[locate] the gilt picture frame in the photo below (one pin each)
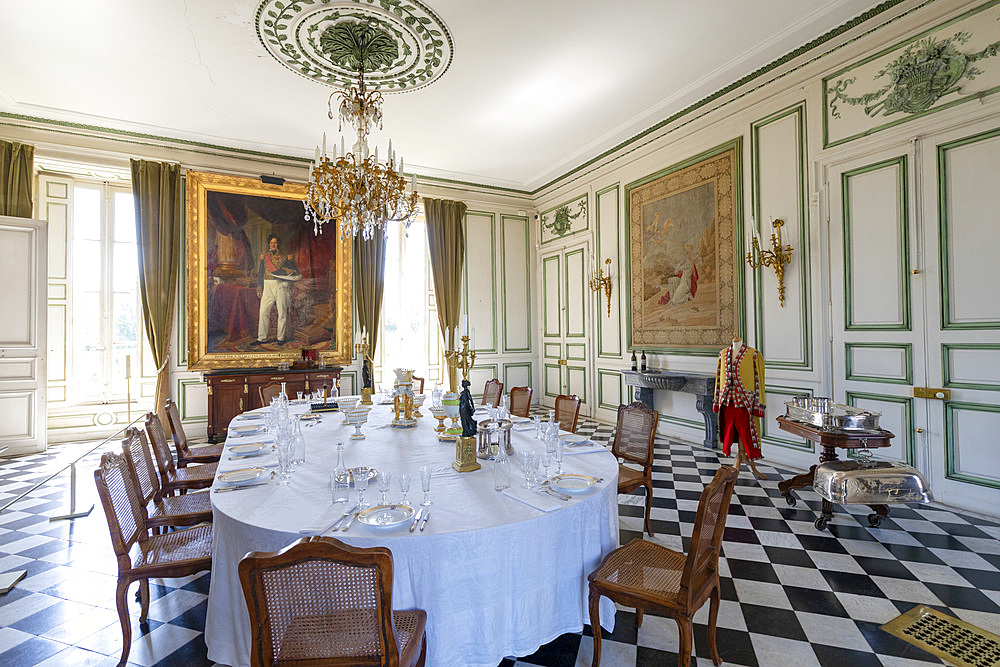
(249, 249)
(684, 237)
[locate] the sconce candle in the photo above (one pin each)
(599, 281)
(776, 257)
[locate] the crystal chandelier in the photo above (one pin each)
(353, 188)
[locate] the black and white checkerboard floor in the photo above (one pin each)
(792, 595)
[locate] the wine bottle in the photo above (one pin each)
(643, 361)
(634, 367)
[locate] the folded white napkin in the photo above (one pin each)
(587, 447)
(325, 520)
(540, 501)
(244, 464)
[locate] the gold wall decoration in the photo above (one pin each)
(233, 268)
(686, 289)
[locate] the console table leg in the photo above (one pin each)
(704, 405)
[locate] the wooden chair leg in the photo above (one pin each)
(638, 618)
(423, 651)
(595, 624)
(123, 617)
(649, 506)
(684, 636)
(713, 617)
(143, 600)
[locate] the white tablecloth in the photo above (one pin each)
(496, 577)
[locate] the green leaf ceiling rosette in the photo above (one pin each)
(402, 44)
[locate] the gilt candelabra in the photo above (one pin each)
(776, 257)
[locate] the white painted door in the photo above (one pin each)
(566, 325)
(876, 305)
(915, 304)
(22, 336)
(961, 240)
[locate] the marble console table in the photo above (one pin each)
(701, 385)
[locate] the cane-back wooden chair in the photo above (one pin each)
(633, 442)
(350, 623)
(173, 478)
(418, 385)
(567, 412)
(140, 555)
(645, 575)
(520, 401)
(268, 392)
(492, 393)
(185, 453)
(160, 510)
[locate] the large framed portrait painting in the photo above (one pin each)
(260, 285)
(685, 249)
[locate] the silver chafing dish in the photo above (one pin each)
(825, 414)
(493, 434)
(870, 483)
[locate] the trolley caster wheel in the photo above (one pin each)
(790, 500)
(874, 520)
(821, 522)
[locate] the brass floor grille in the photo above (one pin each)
(951, 639)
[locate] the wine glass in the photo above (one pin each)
(404, 486)
(425, 483)
(384, 484)
(546, 463)
(361, 484)
(538, 427)
(559, 456)
(536, 458)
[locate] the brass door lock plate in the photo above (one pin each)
(928, 392)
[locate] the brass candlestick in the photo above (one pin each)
(599, 281)
(462, 360)
(363, 349)
(776, 258)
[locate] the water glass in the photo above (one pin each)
(526, 457)
(341, 488)
(536, 458)
(538, 427)
(546, 463)
(404, 486)
(361, 486)
(300, 396)
(425, 483)
(384, 484)
(559, 457)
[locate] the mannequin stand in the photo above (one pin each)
(742, 456)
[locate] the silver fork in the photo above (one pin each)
(339, 521)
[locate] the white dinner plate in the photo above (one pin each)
(245, 430)
(251, 416)
(386, 515)
(306, 416)
(572, 438)
(240, 476)
(520, 420)
(249, 449)
(572, 482)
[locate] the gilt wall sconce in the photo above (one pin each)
(599, 281)
(776, 257)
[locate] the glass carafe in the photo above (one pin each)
(501, 469)
(341, 482)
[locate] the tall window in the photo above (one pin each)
(409, 337)
(105, 328)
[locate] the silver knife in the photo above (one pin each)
(225, 489)
(416, 519)
(351, 521)
(423, 524)
(336, 524)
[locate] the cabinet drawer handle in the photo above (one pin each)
(323, 376)
(282, 377)
(228, 380)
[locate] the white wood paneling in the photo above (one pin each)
(976, 365)
(552, 292)
(971, 246)
(972, 456)
(609, 323)
(18, 369)
(873, 226)
(17, 326)
(516, 323)
(17, 416)
(897, 417)
(481, 279)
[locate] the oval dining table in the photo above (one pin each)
(496, 575)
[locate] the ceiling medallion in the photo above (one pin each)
(415, 47)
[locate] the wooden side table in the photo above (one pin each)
(831, 441)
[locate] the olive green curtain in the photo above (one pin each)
(17, 162)
(446, 242)
(157, 190)
(369, 281)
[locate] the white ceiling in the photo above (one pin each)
(536, 87)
